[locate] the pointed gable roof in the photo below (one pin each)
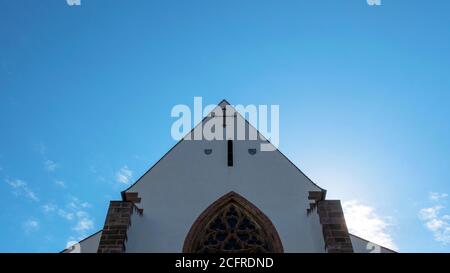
(221, 104)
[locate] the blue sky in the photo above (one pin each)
(86, 93)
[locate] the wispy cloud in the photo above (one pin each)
(42, 148)
(30, 226)
(362, 220)
(435, 220)
(76, 204)
(84, 222)
(60, 184)
(66, 215)
(75, 212)
(124, 175)
(20, 188)
(50, 165)
(48, 208)
(73, 2)
(435, 196)
(374, 2)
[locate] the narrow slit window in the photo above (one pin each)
(224, 116)
(230, 153)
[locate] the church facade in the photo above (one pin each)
(224, 196)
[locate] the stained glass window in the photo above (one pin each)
(233, 225)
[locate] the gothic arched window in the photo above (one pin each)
(232, 225)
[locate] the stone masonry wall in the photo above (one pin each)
(114, 233)
(335, 232)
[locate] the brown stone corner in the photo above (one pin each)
(118, 219)
(335, 232)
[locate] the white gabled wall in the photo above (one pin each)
(186, 181)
